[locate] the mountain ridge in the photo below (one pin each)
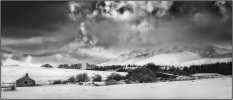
(173, 55)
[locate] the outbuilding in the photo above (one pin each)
(167, 76)
(25, 81)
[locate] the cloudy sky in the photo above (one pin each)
(94, 32)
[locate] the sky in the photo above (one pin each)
(95, 32)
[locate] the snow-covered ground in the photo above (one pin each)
(176, 58)
(9, 74)
(215, 88)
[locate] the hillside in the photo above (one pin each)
(43, 75)
(176, 56)
(218, 88)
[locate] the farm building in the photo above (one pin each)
(25, 81)
(181, 78)
(167, 76)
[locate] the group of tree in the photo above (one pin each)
(82, 77)
(142, 75)
(150, 72)
(221, 68)
(114, 78)
(175, 70)
(97, 78)
(66, 66)
(79, 78)
(47, 66)
(118, 68)
(72, 66)
(105, 68)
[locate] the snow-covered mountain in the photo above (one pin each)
(170, 55)
(174, 55)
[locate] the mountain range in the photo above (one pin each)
(167, 56)
(174, 56)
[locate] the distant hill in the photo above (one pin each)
(174, 55)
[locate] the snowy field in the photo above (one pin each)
(9, 74)
(215, 88)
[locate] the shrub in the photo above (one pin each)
(127, 81)
(80, 83)
(47, 66)
(153, 67)
(123, 70)
(71, 79)
(83, 77)
(57, 82)
(183, 73)
(115, 76)
(97, 78)
(64, 66)
(13, 88)
(142, 75)
(6, 89)
(111, 82)
(76, 66)
(64, 82)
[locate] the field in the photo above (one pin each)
(212, 88)
(9, 74)
(215, 88)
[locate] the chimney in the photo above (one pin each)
(26, 74)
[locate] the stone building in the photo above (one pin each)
(25, 81)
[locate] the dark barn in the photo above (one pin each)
(167, 76)
(25, 81)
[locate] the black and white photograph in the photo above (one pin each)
(116, 49)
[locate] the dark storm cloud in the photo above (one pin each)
(205, 22)
(36, 28)
(23, 19)
(208, 20)
(184, 8)
(34, 47)
(104, 30)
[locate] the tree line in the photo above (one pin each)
(221, 68)
(149, 73)
(65, 66)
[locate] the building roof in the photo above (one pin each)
(168, 74)
(25, 77)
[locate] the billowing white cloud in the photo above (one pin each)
(130, 10)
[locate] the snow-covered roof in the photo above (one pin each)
(169, 74)
(25, 77)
